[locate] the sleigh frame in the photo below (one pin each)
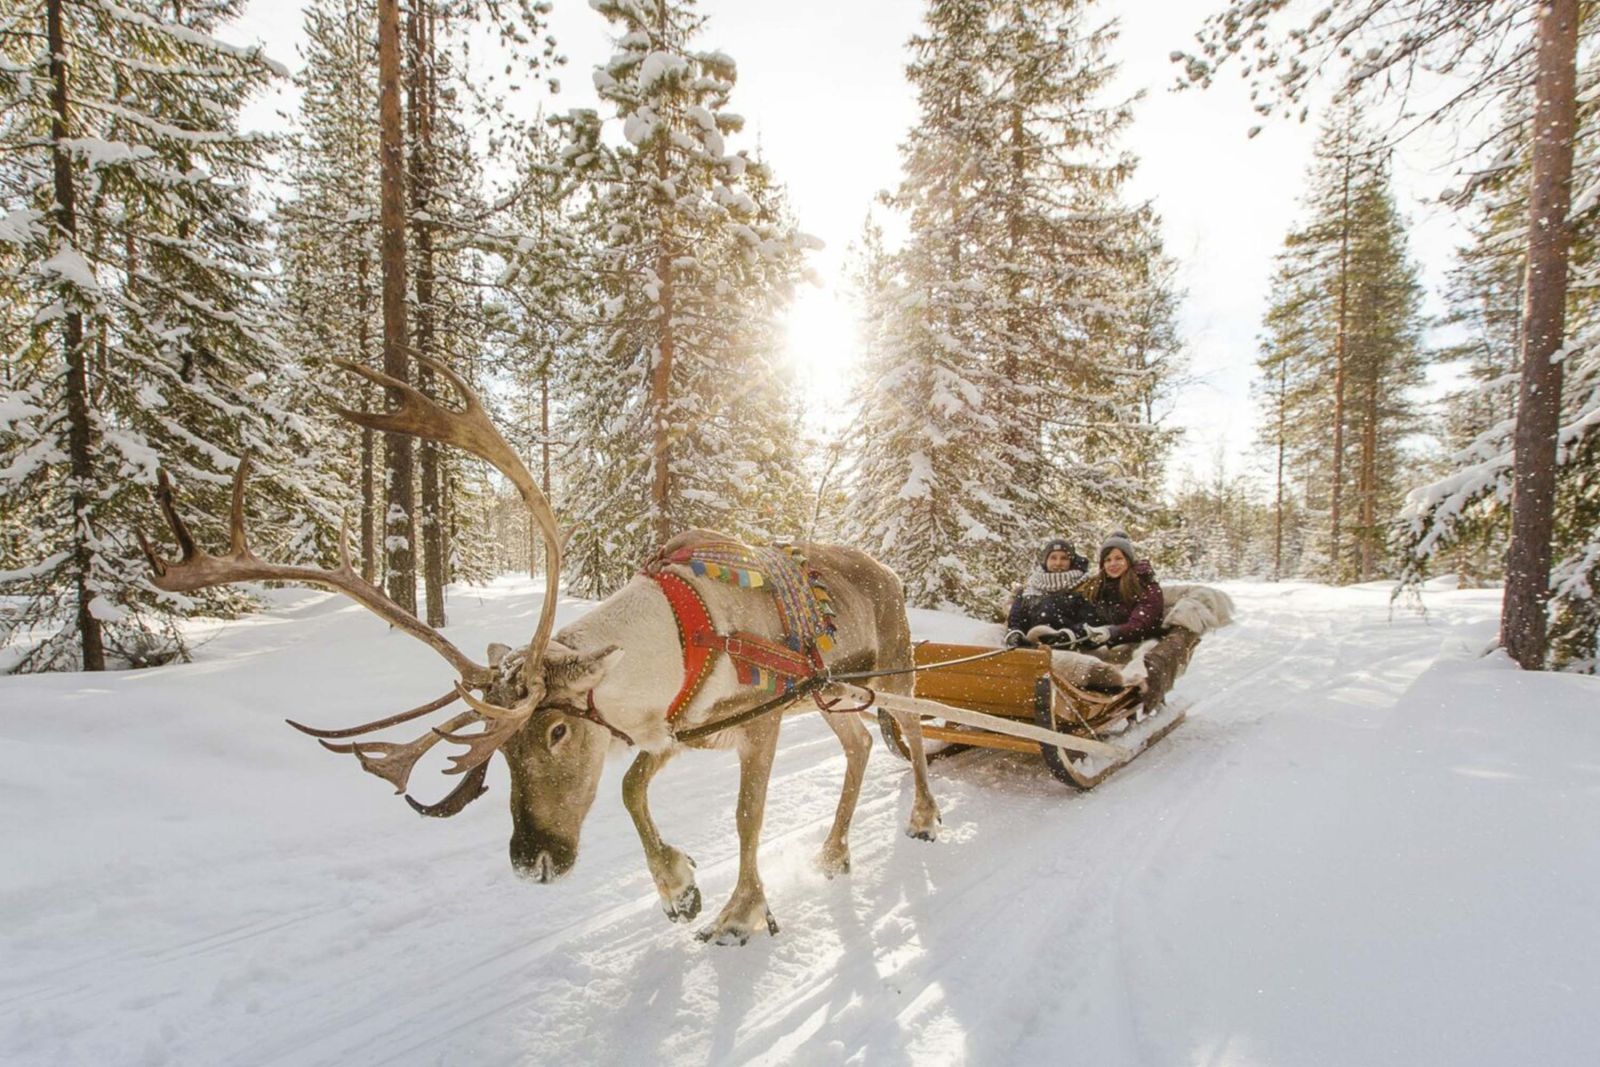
(1023, 688)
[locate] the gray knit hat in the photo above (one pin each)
(1118, 539)
(1056, 544)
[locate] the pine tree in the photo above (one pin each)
(1287, 348)
(327, 239)
(130, 244)
(680, 403)
(1501, 50)
(1030, 291)
(1342, 352)
(1461, 520)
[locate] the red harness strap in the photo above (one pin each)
(699, 640)
(761, 652)
(693, 619)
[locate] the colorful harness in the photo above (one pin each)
(805, 611)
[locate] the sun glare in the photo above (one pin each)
(823, 349)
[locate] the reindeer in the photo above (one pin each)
(555, 708)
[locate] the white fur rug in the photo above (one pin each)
(1196, 608)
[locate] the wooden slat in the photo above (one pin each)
(1016, 663)
(931, 709)
(978, 693)
(1006, 710)
(1002, 685)
(979, 738)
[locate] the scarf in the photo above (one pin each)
(1042, 582)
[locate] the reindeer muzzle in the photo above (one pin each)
(542, 864)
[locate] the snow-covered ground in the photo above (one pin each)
(1367, 845)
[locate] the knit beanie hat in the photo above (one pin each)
(1056, 544)
(1121, 541)
(1042, 582)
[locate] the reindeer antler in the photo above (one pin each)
(420, 416)
(197, 569)
(470, 428)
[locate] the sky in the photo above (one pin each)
(822, 87)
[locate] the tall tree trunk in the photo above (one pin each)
(1522, 625)
(661, 376)
(534, 537)
(79, 441)
(1014, 429)
(419, 118)
(1282, 446)
(1340, 349)
(369, 562)
(399, 539)
(1369, 478)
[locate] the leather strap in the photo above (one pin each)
(759, 651)
(693, 619)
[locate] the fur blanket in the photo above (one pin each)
(1192, 611)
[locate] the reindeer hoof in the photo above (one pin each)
(923, 828)
(723, 937)
(685, 906)
(734, 933)
(832, 866)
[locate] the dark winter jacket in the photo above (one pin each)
(1142, 618)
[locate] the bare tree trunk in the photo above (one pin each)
(1341, 344)
(399, 539)
(1369, 478)
(1014, 430)
(1282, 445)
(79, 442)
(419, 120)
(1522, 625)
(661, 379)
(534, 538)
(369, 561)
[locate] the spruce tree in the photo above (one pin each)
(327, 240)
(131, 247)
(1030, 292)
(1341, 354)
(680, 404)
(1461, 520)
(1495, 51)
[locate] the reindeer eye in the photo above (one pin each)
(557, 732)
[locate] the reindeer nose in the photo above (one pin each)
(541, 870)
(543, 865)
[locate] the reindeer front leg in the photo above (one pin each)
(747, 909)
(672, 871)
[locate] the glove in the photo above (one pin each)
(1067, 637)
(1095, 636)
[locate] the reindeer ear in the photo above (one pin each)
(577, 672)
(497, 652)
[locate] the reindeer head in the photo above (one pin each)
(532, 698)
(556, 760)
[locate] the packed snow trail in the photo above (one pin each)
(1366, 845)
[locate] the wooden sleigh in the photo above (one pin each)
(1021, 701)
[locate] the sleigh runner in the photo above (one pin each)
(1100, 710)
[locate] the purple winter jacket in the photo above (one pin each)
(1142, 618)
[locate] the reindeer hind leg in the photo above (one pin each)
(924, 824)
(857, 741)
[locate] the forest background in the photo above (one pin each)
(1092, 319)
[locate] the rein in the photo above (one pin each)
(699, 639)
(810, 686)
